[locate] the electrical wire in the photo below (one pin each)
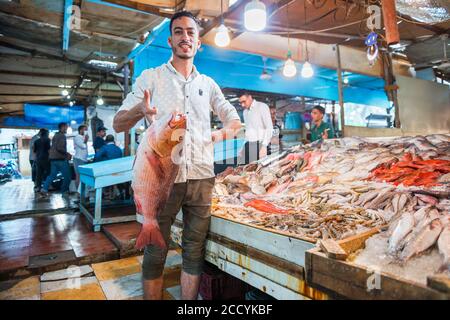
(322, 30)
(416, 22)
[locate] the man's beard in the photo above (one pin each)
(181, 55)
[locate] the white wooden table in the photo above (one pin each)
(102, 174)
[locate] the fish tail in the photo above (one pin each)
(150, 235)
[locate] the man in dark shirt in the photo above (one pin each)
(99, 141)
(109, 151)
(59, 161)
(41, 147)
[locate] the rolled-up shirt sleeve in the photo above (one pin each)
(220, 106)
(143, 82)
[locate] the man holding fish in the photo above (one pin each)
(173, 169)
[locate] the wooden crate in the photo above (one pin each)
(345, 279)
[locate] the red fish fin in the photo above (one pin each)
(138, 204)
(155, 163)
(150, 234)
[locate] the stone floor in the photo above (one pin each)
(112, 280)
(30, 244)
(17, 197)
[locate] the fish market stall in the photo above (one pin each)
(99, 175)
(366, 272)
(393, 192)
(270, 261)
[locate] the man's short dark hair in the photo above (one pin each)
(245, 93)
(61, 125)
(320, 109)
(81, 127)
(43, 132)
(180, 14)
(109, 138)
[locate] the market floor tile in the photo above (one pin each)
(112, 280)
(123, 234)
(123, 288)
(90, 291)
(29, 200)
(70, 272)
(66, 284)
(175, 293)
(34, 237)
(27, 289)
(116, 268)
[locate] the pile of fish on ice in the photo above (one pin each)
(342, 187)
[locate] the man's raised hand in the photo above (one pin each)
(146, 110)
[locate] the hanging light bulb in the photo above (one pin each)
(255, 16)
(71, 103)
(64, 92)
(222, 38)
(307, 70)
(100, 101)
(289, 69)
(68, 97)
(346, 80)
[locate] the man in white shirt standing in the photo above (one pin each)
(81, 150)
(178, 86)
(258, 128)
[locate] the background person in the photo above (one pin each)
(320, 130)
(258, 128)
(81, 151)
(109, 151)
(42, 163)
(99, 140)
(59, 161)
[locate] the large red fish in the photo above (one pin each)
(154, 172)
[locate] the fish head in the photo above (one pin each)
(166, 134)
(177, 121)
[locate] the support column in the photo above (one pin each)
(127, 140)
(390, 21)
(340, 89)
(391, 87)
(66, 24)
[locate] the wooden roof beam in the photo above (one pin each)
(137, 6)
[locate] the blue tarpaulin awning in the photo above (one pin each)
(45, 116)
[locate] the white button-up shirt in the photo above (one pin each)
(258, 123)
(81, 150)
(196, 97)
